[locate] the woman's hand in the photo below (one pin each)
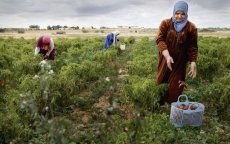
(193, 70)
(168, 58)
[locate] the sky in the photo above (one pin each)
(109, 13)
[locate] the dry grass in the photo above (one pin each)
(29, 34)
(221, 34)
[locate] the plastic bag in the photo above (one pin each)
(186, 113)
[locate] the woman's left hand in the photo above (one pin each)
(193, 70)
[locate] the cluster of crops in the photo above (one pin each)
(87, 95)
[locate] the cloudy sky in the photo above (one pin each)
(109, 13)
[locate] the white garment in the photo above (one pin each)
(115, 34)
(37, 50)
(51, 47)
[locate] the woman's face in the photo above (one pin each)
(45, 47)
(179, 16)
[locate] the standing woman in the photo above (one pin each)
(177, 45)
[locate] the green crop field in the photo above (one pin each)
(90, 96)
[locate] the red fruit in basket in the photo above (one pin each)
(180, 106)
(183, 107)
(193, 107)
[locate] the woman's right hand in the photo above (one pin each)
(193, 70)
(168, 58)
(169, 61)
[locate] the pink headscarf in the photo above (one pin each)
(46, 40)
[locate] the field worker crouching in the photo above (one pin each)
(111, 39)
(45, 46)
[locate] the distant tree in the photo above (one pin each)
(34, 27)
(54, 27)
(65, 27)
(75, 28)
(58, 26)
(103, 27)
(2, 30)
(49, 27)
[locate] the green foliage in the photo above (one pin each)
(100, 88)
(130, 40)
(144, 65)
(12, 125)
(105, 57)
(153, 129)
(218, 95)
(117, 131)
(144, 62)
(216, 48)
(44, 105)
(75, 77)
(62, 45)
(143, 91)
(26, 65)
(85, 103)
(208, 67)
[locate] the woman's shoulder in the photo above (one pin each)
(191, 25)
(167, 21)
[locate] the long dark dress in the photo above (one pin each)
(182, 48)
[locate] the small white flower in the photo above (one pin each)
(46, 108)
(202, 132)
(114, 104)
(24, 102)
(45, 91)
(111, 88)
(36, 77)
(51, 72)
(43, 62)
(48, 67)
(107, 79)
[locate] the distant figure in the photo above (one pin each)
(45, 46)
(111, 39)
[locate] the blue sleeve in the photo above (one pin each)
(108, 41)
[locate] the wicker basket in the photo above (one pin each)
(192, 115)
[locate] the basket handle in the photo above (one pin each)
(178, 100)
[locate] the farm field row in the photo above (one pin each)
(87, 95)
